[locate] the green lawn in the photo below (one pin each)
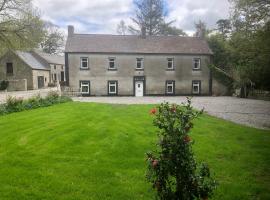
(97, 151)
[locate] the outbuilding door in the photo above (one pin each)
(40, 82)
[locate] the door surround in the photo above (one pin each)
(139, 79)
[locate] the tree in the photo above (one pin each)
(172, 30)
(122, 28)
(20, 25)
(224, 27)
(201, 30)
(172, 169)
(53, 42)
(150, 16)
(250, 15)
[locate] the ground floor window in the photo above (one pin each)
(196, 87)
(85, 87)
(170, 87)
(112, 87)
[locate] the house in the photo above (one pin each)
(129, 65)
(27, 70)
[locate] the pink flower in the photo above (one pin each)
(153, 111)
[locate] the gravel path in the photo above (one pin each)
(253, 113)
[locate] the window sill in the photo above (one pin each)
(170, 69)
(112, 69)
(139, 69)
(197, 69)
(84, 69)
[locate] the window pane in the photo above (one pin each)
(170, 63)
(9, 68)
(85, 89)
(112, 89)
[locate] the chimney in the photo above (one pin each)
(143, 32)
(70, 30)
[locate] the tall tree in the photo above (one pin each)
(122, 28)
(150, 16)
(224, 27)
(20, 25)
(201, 30)
(53, 41)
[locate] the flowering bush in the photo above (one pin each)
(172, 169)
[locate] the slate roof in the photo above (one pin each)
(95, 43)
(52, 59)
(31, 60)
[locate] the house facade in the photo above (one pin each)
(113, 65)
(28, 70)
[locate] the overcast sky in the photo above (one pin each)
(102, 16)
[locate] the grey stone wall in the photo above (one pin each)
(20, 69)
(155, 72)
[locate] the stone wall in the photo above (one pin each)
(17, 85)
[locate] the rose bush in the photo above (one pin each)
(172, 169)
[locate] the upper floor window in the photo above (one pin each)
(112, 64)
(170, 87)
(54, 66)
(10, 68)
(112, 87)
(196, 87)
(84, 63)
(139, 64)
(170, 63)
(62, 67)
(196, 64)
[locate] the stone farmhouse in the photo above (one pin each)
(129, 65)
(28, 70)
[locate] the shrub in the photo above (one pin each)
(172, 169)
(18, 104)
(3, 85)
(14, 104)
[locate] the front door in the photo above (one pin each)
(40, 82)
(139, 88)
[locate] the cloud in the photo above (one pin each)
(102, 16)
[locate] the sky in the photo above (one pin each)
(102, 16)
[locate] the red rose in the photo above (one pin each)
(155, 163)
(153, 111)
(187, 139)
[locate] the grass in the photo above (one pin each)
(97, 151)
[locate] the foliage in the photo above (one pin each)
(20, 25)
(150, 17)
(172, 169)
(242, 44)
(14, 104)
(3, 85)
(53, 41)
(201, 30)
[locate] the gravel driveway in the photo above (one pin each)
(254, 113)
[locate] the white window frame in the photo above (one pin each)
(87, 61)
(198, 84)
(195, 60)
(114, 64)
(170, 83)
(83, 84)
(142, 63)
(112, 83)
(172, 61)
